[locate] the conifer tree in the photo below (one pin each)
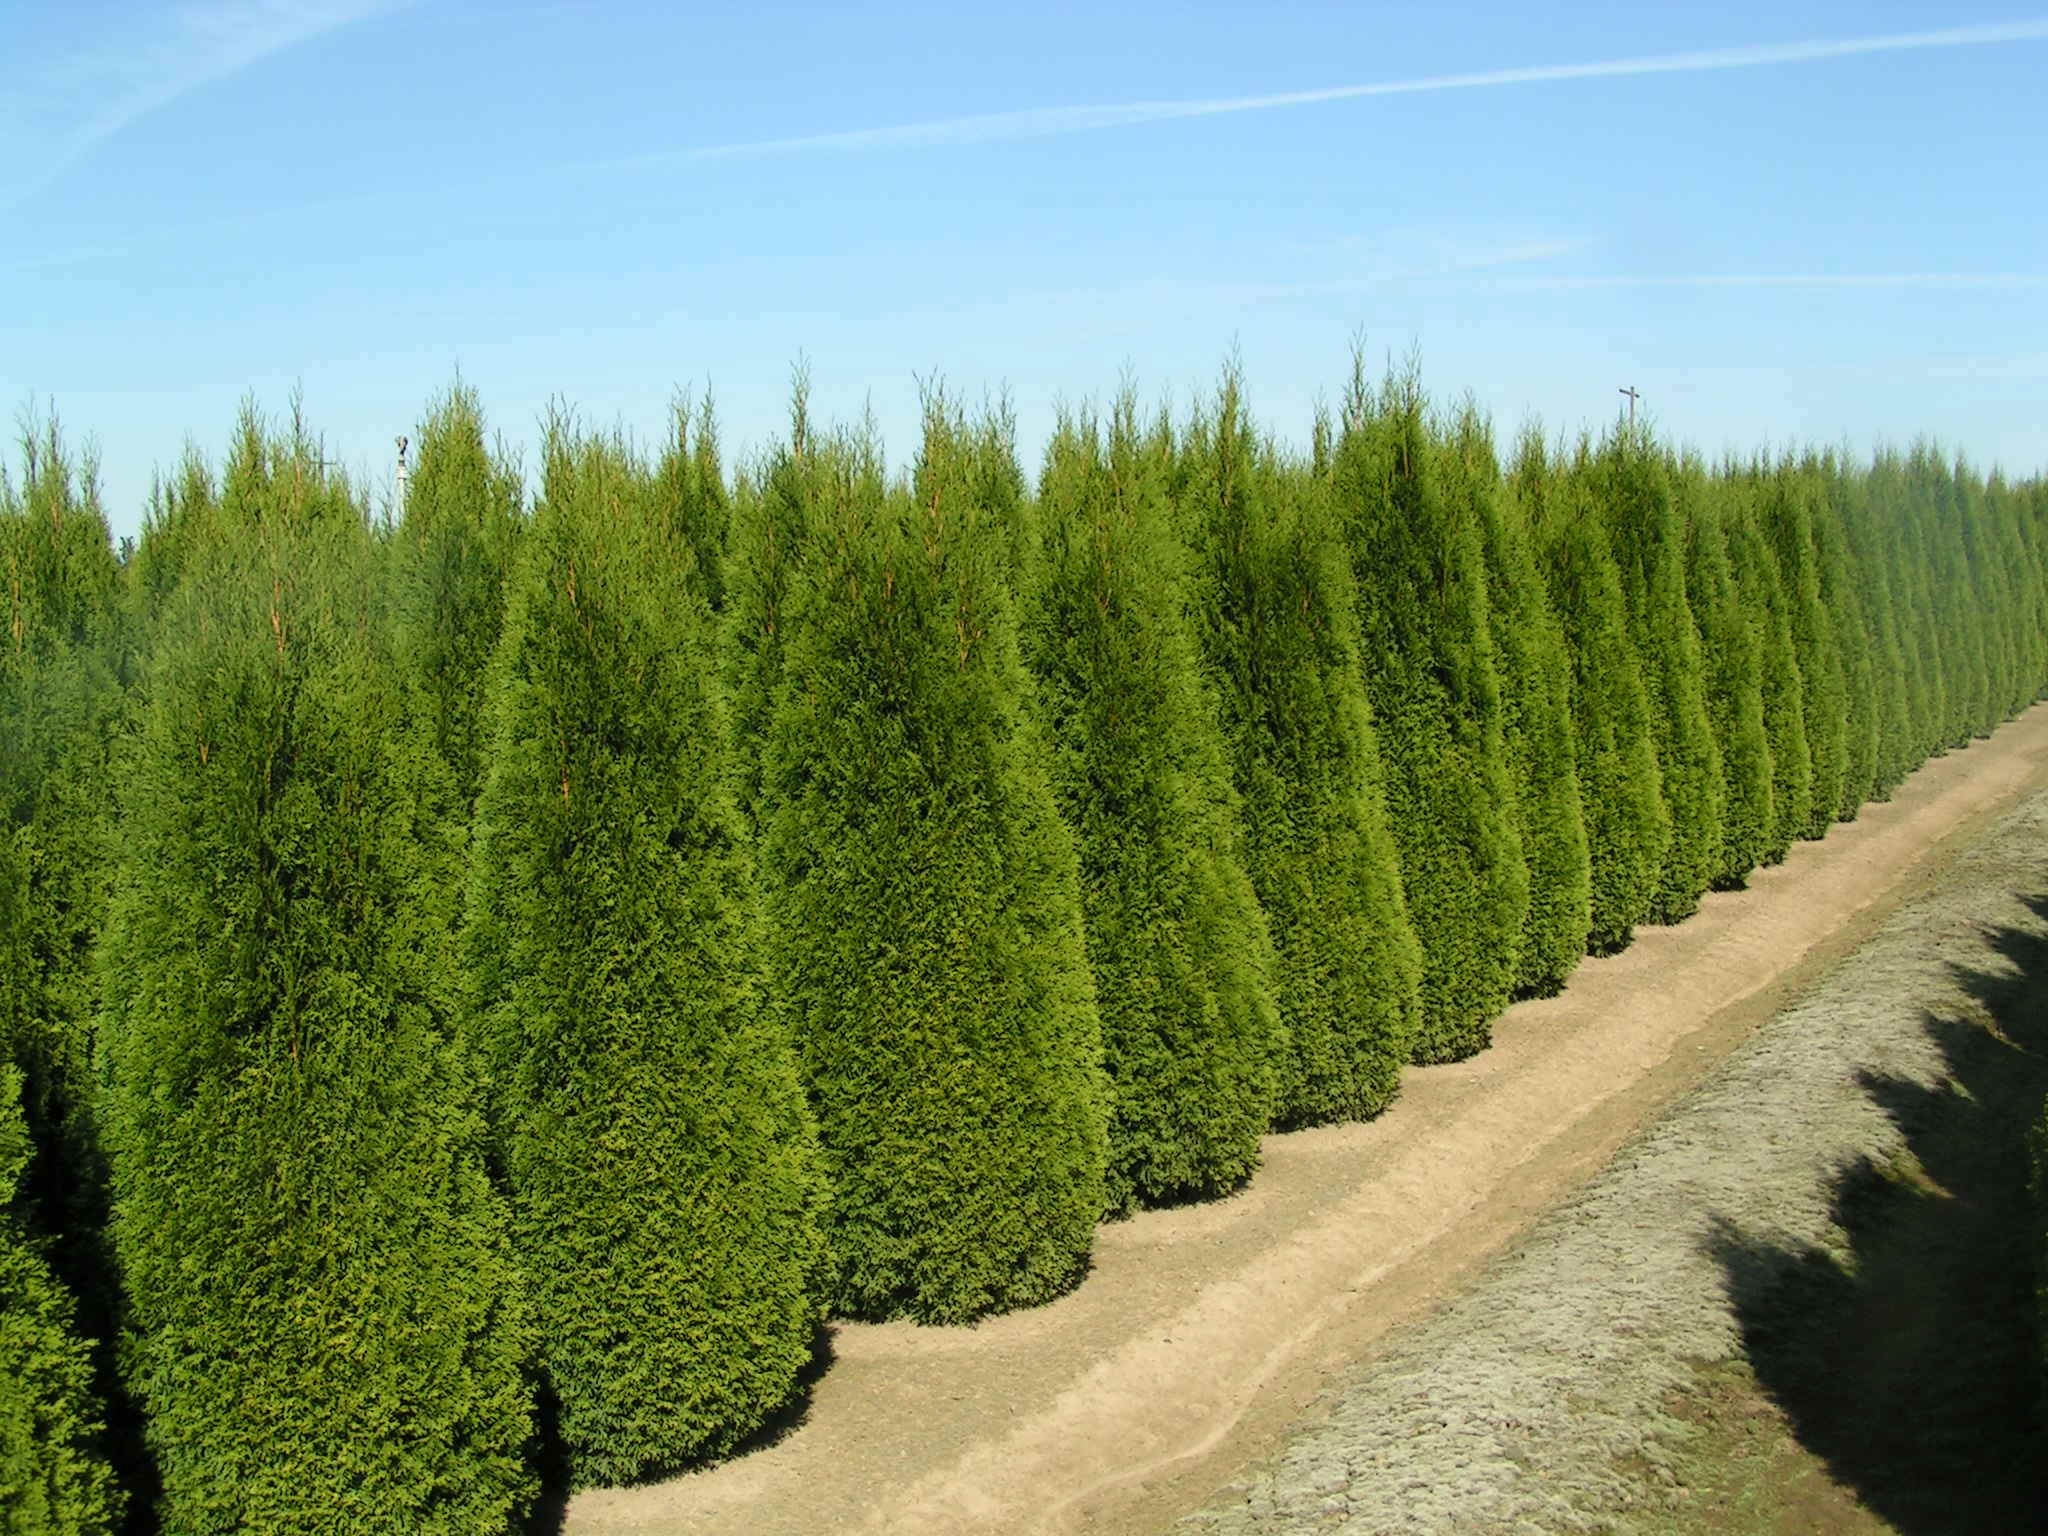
(1842, 599)
(649, 1122)
(1787, 508)
(1763, 594)
(53, 1479)
(1871, 554)
(1627, 827)
(326, 1321)
(1732, 655)
(451, 554)
(690, 495)
(1177, 944)
(924, 911)
(1426, 642)
(1631, 487)
(1277, 618)
(1535, 673)
(61, 657)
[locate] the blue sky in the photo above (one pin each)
(1776, 242)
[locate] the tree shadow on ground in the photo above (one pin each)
(550, 1459)
(1906, 1357)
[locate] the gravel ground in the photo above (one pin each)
(1539, 1399)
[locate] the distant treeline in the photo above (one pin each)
(481, 986)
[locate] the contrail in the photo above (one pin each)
(1042, 122)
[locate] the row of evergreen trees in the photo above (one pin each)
(481, 987)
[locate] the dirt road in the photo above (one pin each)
(1825, 1245)
(1204, 1333)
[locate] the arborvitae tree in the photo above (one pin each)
(1870, 552)
(1732, 654)
(326, 1319)
(797, 482)
(451, 554)
(53, 1479)
(1842, 598)
(646, 1109)
(1627, 827)
(1277, 619)
(1427, 645)
(1535, 674)
(1787, 506)
(690, 495)
(1630, 485)
(924, 910)
(1177, 944)
(61, 658)
(1763, 595)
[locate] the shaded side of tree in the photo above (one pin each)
(1907, 1357)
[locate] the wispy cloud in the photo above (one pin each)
(56, 109)
(1850, 280)
(1043, 122)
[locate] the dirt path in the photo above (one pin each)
(1204, 1333)
(1801, 1301)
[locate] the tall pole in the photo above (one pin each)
(1633, 395)
(403, 444)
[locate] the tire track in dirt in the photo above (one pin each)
(1203, 1333)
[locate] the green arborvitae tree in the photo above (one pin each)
(1535, 674)
(690, 496)
(1732, 654)
(1762, 591)
(450, 556)
(1870, 550)
(924, 909)
(1842, 597)
(1787, 508)
(1177, 943)
(53, 1478)
(811, 476)
(1277, 620)
(1426, 641)
(326, 1322)
(646, 1110)
(62, 654)
(1630, 485)
(1627, 827)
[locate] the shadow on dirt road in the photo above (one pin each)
(1906, 1358)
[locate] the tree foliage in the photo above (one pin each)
(1278, 624)
(1177, 943)
(925, 918)
(1426, 643)
(661, 1164)
(1628, 829)
(326, 1318)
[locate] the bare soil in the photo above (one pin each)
(1801, 1302)
(1341, 1287)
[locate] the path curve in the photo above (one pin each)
(1203, 1333)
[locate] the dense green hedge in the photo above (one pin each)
(1177, 942)
(646, 1111)
(1278, 625)
(536, 962)
(924, 911)
(326, 1318)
